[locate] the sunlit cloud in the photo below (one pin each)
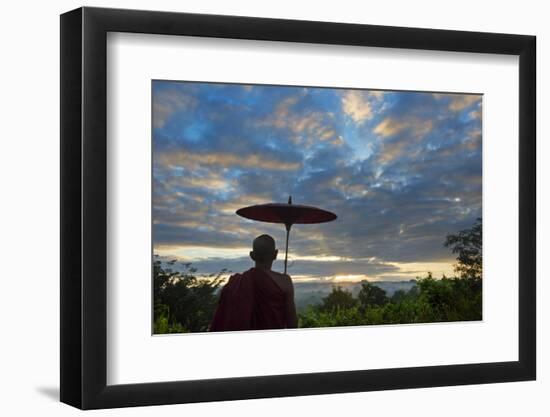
(390, 126)
(212, 180)
(350, 278)
(224, 160)
(197, 253)
(458, 102)
(392, 151)
(357, 104)
(411, 270)
(306, 126)
(475, 114)
(232, 205)
(356, 107)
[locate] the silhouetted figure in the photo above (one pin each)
(258, 298)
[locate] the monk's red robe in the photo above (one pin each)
(250, 301)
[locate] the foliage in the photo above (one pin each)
(182, 302)
(431, 300)
(162, 325)
(468, 245)
(371, 295)
(398, 296)
(339, 298)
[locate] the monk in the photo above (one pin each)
(259, 298)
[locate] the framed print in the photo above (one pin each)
(257, 208)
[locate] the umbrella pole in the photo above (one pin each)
(286, 246)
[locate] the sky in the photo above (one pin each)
(400, 169)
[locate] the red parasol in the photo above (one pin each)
(288, 214)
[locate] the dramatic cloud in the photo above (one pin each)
(390, 127)
(401, 170)
(167, 102)
(191, 160)
(356, 106)
(458, 102)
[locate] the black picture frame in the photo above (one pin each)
(84, 207)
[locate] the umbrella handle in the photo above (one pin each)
(288, 226)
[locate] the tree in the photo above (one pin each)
(468, 245)
(183, 302)
(339, 298)
(398, 296)
(450, 299)
(371, 295)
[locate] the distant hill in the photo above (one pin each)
(309, 293)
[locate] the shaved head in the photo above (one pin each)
(263, 249)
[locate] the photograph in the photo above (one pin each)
(283, 207)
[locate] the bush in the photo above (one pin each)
(338, 299)
(183, 302)
(162, 324)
